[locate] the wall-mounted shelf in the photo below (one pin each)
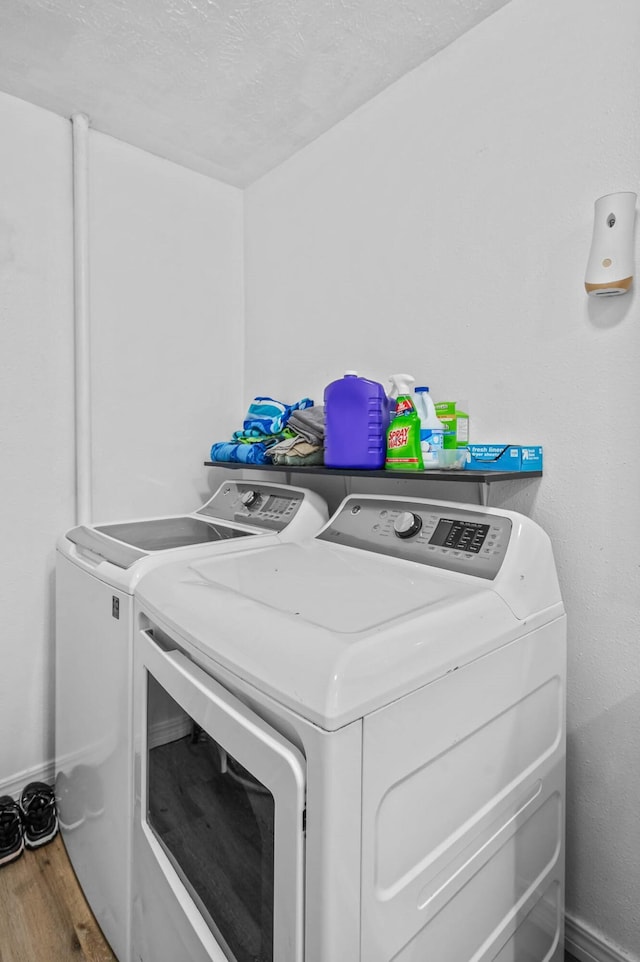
(484, 479)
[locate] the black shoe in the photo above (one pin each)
(39, 817)
(11, 835)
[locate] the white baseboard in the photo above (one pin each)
(585, 945)
(42, 773)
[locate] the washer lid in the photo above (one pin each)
(236, 510)
(390, 595)
(125, 543)
(341, 591)
(162, 534)
(331, 632)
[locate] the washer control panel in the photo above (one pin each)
(443, 536)
(266, 506)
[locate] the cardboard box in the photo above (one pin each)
(504, 457)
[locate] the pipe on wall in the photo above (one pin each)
(80, 133)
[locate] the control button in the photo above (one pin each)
(249, 498)
(407, 524)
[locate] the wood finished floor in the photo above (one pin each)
(43, 914)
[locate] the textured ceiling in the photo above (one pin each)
(227, 87)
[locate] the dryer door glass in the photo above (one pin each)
(223, 799)
(215, 821)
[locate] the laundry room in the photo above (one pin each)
(177, 238)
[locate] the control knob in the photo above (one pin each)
(407, 524)
(249, 498)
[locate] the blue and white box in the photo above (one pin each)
(504, 457)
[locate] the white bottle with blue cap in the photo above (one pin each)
(431, 429)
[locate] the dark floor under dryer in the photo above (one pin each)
(216, 823)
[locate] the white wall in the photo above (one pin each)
(444, 228)
(167, 315)
(36, 416)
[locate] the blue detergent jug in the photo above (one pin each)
(356, 421)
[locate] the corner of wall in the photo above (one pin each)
(585, 945)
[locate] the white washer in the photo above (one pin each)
(378, 766)
(97, 570)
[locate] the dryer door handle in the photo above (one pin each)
(192, 687)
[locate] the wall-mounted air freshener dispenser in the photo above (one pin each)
(610, 264)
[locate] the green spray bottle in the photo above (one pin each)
(403, 434)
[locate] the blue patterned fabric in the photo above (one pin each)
(266, 416)
(263, 426)
(242, 452)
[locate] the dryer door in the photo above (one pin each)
(221, 806)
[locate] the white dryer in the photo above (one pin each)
(352, 749)
(97, 569)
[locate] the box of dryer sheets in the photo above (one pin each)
(504, 457)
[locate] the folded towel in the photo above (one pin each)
(267, 416)
(309, 424)
(241, 452)
(284, 445)
(301, 461)
(296, 451)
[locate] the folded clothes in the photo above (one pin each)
(308, 460)
(264, 426)
(308, 424)
(266, 416)
(297, 446)
(282, 446)
(296, 451)
(241, 452)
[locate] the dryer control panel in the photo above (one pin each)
(443, 536)
(266, 506)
